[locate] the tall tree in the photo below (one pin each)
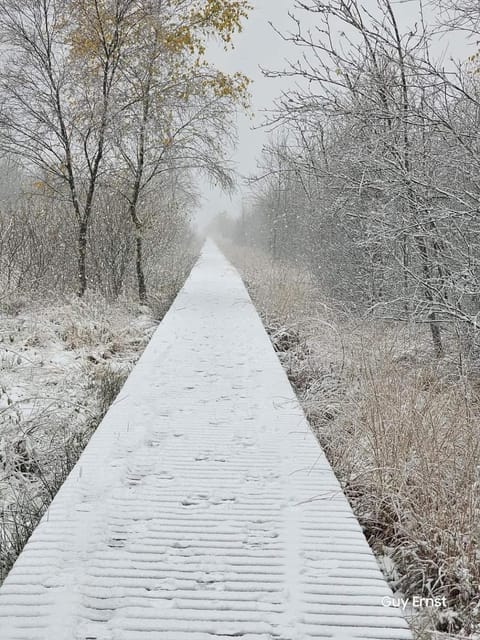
(179, 112)
(66, 83)
(57, 85)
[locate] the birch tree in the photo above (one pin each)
(74, 71)
(61, 67)
(179, 108)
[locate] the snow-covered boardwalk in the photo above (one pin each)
(203, 507)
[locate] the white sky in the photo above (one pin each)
(259, 46)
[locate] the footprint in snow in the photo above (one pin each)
(195, 500)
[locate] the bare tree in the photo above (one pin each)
(57, 85)
(173, 121)
(371, 125)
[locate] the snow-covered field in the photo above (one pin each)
(61, 364)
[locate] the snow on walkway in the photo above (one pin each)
(202, 507)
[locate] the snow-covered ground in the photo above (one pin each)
(202, 506)
(60, 366)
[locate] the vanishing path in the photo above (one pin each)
(202, 507)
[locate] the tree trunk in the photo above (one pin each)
(82, 258)
(432, 317)
(142, 285)
(436, 335)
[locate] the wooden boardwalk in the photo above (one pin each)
(203, 507)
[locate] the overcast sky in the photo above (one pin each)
(259, 46)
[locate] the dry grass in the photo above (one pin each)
(288, 294)
(38, 447)
(107, 381)
(401, 430)
(168, 274)
(413, 477)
